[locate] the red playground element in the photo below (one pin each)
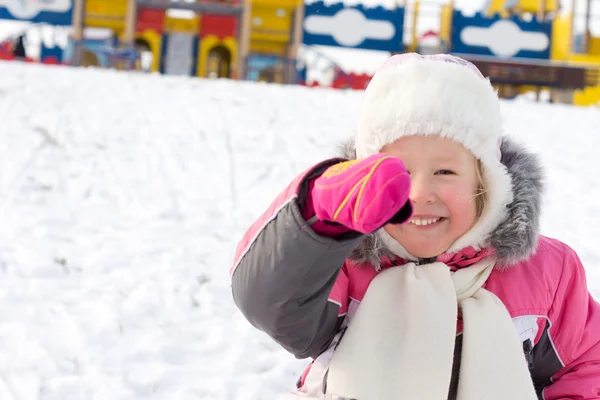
(6, 52)
(150, 19)
(345, 80)
(221, 26)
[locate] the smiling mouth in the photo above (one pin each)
(432, 221)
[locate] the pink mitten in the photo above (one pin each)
(363, 195)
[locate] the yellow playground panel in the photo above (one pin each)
(506, 8)
(562, 50)
(110, 14)
(271, 25)
(150, 40)
(217, 56)
(446, 23)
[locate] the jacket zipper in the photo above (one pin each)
(424, 261)
(528, 350)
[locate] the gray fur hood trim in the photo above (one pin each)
(515, 239)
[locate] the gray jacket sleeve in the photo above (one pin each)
(282, 283)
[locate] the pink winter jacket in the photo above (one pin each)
(301, 283)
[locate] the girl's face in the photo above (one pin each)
(444, 184)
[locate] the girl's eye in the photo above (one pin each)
(445, 172)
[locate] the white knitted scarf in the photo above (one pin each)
(400, 343)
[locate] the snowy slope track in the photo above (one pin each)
(122, 199)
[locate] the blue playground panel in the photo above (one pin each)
(393, 17)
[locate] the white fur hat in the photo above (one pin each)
(443, 95)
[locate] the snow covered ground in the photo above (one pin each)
(122, 197)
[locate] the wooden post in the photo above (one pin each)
(541, 16)
(298, 34)
(450, 27)
(586, 30)
(414, 40)
(541, 10)
(244, 39)
(572, 27)
(130, 23)
(77, 34)
(297, 30)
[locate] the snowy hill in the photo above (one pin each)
(122, 197)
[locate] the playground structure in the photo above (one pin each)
(207, 39)
(569, 66)
(521, 45)
(571, 69)
(184, 44)
(215, 38)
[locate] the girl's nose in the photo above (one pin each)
(421, 191)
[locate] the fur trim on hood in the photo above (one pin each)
(515, 238)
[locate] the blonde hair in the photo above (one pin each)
(481, 195)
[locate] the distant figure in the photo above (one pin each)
(19, 48)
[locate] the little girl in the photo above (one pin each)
(413, 268)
